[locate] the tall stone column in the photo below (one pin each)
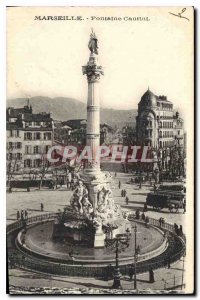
(93, 72)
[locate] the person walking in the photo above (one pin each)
(184, 207)
(18, 215)
(42, 206)
(127, 200)
(145, 207)
(22, 214)
(125, 192)
(122, 193)
(119, 184)
(26, 214)
(143, 216)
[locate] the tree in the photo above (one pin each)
(11, 165)
(44, 167)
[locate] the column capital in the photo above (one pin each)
(92, 69)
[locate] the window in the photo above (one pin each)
(28, 136)
(17, 133)
(37, 163)
(19, 156)
(37, 136)
(27, 163)
(10, 145)
(28, 149)
(47, 136)
(19, 145)
(36, 149)
(47, 148)
(11, 133)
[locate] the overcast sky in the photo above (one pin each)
(45, 57)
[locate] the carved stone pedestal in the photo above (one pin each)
(99, 240)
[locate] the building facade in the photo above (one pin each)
(73, 132)
(29, 136)
(157, 125)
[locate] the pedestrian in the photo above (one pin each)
(184, 207)
(127, 200)
(151, 275)
(115, 174)
(131, 272)
(22, 214)
(125, 193)
(122, 193)
(176, 228)
(26, 214)
(143, 216)
(42, 206)
(160, 221)
(181, 230)
(18, 215)
(145, 207)
(137, 214)
(119, 184)
(147, 221)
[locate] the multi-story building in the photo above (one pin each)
(156, 123)
(73, 132)
(159, 126)
(29, 137)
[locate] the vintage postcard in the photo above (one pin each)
(100, 150)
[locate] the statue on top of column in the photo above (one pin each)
(92, 45)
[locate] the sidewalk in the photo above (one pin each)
(20, 278)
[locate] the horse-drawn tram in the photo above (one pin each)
(171, 197)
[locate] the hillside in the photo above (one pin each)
(67, 108)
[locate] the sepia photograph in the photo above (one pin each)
(100, 150)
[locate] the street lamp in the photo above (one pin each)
(135, 258)
(123, 240)
(184, 254)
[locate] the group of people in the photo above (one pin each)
(178, 230)
(161, 222)
(22, 215)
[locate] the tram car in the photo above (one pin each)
(167, 196)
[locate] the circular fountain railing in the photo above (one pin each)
(24, 258)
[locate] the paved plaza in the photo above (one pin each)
(54, 200)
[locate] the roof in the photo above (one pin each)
(37, 117)
(11, 126)
(148, 99)
(14, 112)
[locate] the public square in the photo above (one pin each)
(54, 200)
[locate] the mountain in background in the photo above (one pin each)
(64, 109)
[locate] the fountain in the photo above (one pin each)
(94, 213)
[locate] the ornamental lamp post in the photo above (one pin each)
(119, 240)
(135, 260)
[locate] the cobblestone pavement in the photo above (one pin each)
(55, 200)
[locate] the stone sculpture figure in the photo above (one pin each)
(92, 45)
(79, 194)
(87, 207)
